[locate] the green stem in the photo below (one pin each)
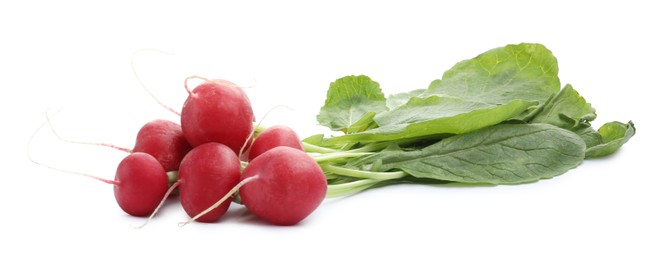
(172, 177)
(337, 155)
(362, 174)
(317, 149)
(258, 128)
(349, 188)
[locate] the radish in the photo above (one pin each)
(164, 140)
(217, 111)
(286, 186)
(140, 181)
(274, 136)
(206, 174)
(140, 184)
(282, 186)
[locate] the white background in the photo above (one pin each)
(75, 57)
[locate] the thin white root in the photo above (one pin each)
(258, 125)
(215, 205)
(185, 82)
(252, 85)
(30, 157)
(141, 82)
(169, 191)
(53, 130)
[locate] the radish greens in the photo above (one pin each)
(501, 117)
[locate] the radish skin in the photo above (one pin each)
(290, 185)
(272, 137)
(206, 174)
(164, 140)
(217, 111)
(140, 184)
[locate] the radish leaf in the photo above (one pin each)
(613, 136)
(350, 99)
(523, 71)
(500, 154)
(567, 110)
(434, 116)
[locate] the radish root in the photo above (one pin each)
(53, 130)
(141, 82)
(30, 157)
(227, 196)
(169, 191)
(257, 126)
(185, 83)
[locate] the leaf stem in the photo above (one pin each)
(349, 188)
(258, 128)
(373, 175)
(317, 149)
(336, 155)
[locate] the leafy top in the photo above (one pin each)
(350, 99)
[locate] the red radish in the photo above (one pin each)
(287, 186)
(217, 111)
(206, 174)
(140, 184)
(274, 136)
(164, 140)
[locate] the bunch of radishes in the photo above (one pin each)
(217, 153)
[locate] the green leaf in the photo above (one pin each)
(613, 136)
(396, 100)
(524, 71)
(365, 122)
(419, 109)
(435, 115)
(590, 136)
(493, 87)
(567, 110)
(500, 154)
(350, 99)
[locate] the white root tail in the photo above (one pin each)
(169, 191)
(227, 196)
(141, 82)
(185, 83)
(257, 126)
(53, 130)
(33, 160)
